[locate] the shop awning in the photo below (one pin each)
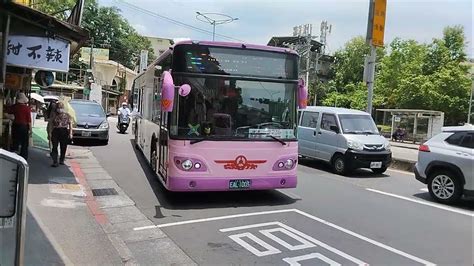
(31, 17)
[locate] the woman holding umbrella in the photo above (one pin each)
(61, 133)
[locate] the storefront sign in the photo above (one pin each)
(98, 53)
(38, 53)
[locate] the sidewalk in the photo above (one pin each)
(404, 155)
(77, 214)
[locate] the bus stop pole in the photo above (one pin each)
(21, 221)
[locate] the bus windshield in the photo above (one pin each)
(231, 108)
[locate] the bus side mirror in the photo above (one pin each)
(184, 90)
(302, 94)
(167, 92)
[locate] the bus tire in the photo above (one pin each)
(153, 155)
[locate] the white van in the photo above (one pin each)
(345, 138)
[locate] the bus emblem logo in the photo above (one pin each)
(240, 163)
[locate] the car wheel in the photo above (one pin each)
(444, 187)
(379, 171)
(339, 165)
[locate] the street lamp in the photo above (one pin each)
(214, 19)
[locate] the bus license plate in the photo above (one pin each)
(376, 165)
(86, 133)
(239, 184)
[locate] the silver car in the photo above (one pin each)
(445, 164)
(347, 139)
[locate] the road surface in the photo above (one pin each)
(327, 219)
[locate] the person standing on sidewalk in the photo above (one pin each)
(21, 128)
(61, 134)
(51, 114)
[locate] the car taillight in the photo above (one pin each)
(424, 148)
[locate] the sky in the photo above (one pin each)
(259, 20)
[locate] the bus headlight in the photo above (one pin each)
(289, 164)
(187, 165)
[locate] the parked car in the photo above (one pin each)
(446, 162)
(345, 138)
(91, 121)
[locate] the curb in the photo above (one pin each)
(402, 164)
(118, 215)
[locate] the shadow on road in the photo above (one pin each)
(323, 166)
(465, 203)
(87, 143)
(206, 200)
(38, 248)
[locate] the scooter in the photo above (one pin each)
(123, 123)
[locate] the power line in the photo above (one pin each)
(173, 21)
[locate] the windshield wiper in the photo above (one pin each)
(277, 139)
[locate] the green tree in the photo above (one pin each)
(57, 8)
(107, 28)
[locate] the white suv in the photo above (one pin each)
(446, 164)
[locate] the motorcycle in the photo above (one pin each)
(122, 125)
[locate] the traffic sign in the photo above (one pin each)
(378, 22)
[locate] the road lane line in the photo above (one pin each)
(424, 203)
(376, 243)
(238, 228)
(301, 234)
(212, 219)
(294, 261)
(401, 171)
(347, 231)
(269, 249)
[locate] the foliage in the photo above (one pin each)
(410, 75)
(57, 8)
(108, 29)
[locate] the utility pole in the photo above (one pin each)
(214, 19)
(86, 92)
(325, 29)
(470, 113)
(375, 35)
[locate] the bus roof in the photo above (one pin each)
(239, 45)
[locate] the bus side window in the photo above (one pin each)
(156, 116)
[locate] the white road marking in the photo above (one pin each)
(401, 171)
(376, 243)
(270, 250)
(304, 243)
(435, 205)
(313, 240)
(294, 261)
(212, 219)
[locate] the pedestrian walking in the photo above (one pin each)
(21, 128)
(50, 115)
(61, 134)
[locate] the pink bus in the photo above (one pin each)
(216, 116)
